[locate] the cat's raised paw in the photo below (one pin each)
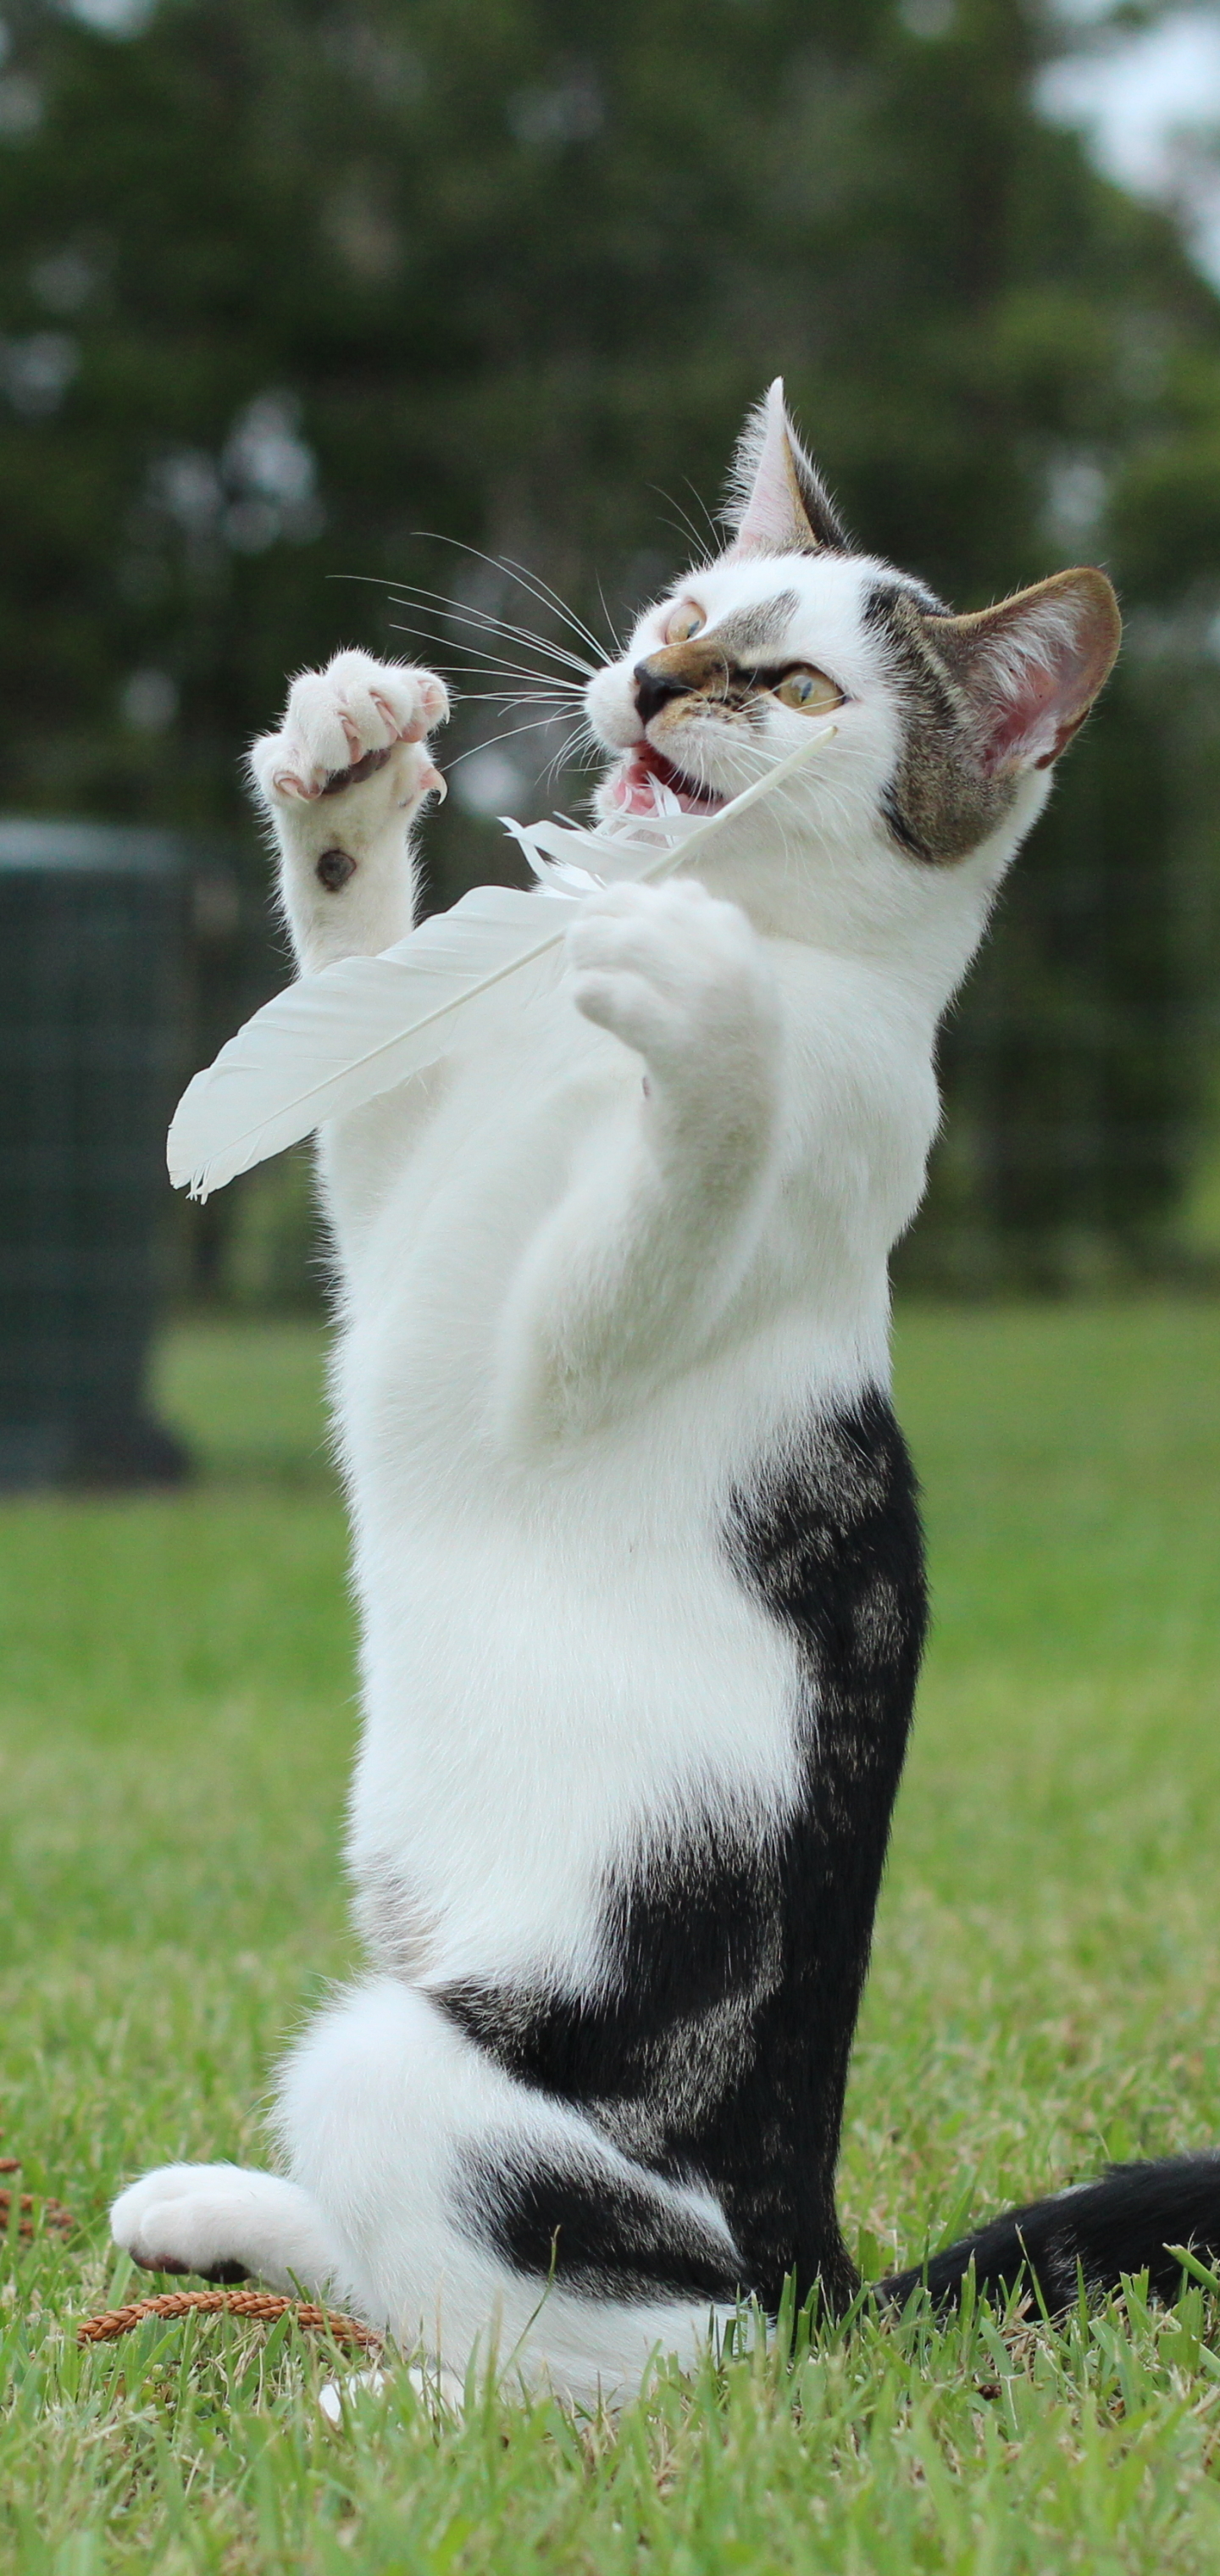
(672, 971)
(344, 724)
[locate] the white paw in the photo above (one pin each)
(674, 972)
(440, 2393)
(189, 2218)
(359, 2383)
(357, 714)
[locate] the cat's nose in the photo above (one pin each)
(654, 688)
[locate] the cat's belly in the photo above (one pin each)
(552, 1683)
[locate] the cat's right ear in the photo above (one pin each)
(778, 503)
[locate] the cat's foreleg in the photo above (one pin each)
(632, 1270)
(341, 782)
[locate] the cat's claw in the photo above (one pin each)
(346, 722)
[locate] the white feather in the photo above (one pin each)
(333, 1040)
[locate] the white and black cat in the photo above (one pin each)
(637, 1544)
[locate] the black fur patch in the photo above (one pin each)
(602, 2238)
(721, 2051)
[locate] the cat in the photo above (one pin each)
(636, 1536)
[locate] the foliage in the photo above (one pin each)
(284, 282)
(176, 1729)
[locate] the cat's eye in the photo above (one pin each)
(809, 691)
(683, 622)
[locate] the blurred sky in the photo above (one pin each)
(1149, 104)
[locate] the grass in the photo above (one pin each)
(177, 1695)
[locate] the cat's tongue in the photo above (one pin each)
(649, 784)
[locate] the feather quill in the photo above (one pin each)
(334, 1040)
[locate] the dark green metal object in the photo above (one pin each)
(91, 969)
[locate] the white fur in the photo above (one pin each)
(588, 1274)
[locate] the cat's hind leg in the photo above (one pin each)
(485, 2219)
(455, 2208)
(226, 2223)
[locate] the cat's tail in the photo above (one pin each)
(1132, 2220)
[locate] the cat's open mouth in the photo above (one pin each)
(646, 772)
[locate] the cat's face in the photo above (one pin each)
(726, 676)
(938, 719)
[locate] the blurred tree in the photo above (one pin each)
(283, 282)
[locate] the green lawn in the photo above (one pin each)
(177, 1696)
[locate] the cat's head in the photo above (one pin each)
(946, 726)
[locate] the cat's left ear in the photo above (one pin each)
(778, 503)
(1034, 665)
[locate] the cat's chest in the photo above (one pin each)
(516, 1126)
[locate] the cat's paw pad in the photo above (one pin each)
(670, 968)
(186, 2218)
(347, 722)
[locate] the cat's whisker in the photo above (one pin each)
(485, 636)
(472, 613)
(509, 682)
(572, 745)
(614, 643)
(687, 539)
(524, 683)
(683, 526)
(530, 685)
(536, 725)
(412, 594)
(544, 590)
(535, 586)
(492, 630)
(716, 533)
(540, 590)
(514, 698)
